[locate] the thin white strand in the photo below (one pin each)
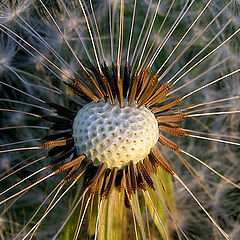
(26, 104)
(111, 28)
(169, 33)
(30, 53)
(27, 83)
(134, 221)
(97, 29)
(198, 54)
(75, 236)
(6, 208)
(38, 36)
(158, 33)
(139, 216)
(81, 221)
(211, 134)
(2, 27)
(66, 220)
(200, 205)
(78, 34)
(158, 217)
(99, 218)
(55, 89)
(94, 29)
(23, 180)
(91, 36)
(19, 149)
(210, 168)
(58, 187)
(18, 111)
(212, 82)
(16, 127)
(20, 142)
(199, 76)
(141, 32)
(206, 56)
(211, 102)
(21, 168)
(27, 94)
(83, 195)
(63, 37)
(214, 139)
(143, 40)
(120, 40)
(45, 214)
(222, 106)
(171, 215)
(48, 207)
(213, 113)
(193, 40)
(24, 161)
(149, 32)
(131, 31)
(25, 189)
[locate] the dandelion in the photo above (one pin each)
(119, 119)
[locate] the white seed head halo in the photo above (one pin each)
(113, 135)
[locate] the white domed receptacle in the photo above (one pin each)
(113, 135)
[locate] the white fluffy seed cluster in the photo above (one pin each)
(113, 135)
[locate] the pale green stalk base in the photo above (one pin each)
(117, 221)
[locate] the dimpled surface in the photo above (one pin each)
(112, 135)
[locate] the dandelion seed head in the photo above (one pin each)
(7, 52)
(122, 151)
(11, 9)
(113, 135)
